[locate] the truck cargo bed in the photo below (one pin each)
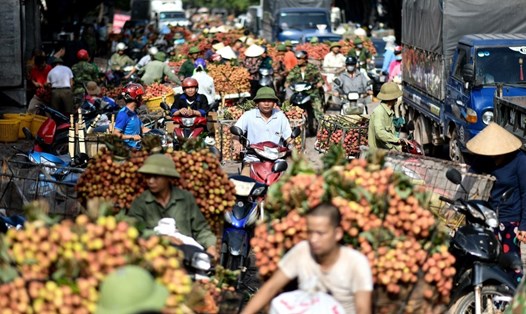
(510, 113)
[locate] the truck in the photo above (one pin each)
(455, 53)
(150, 10)
(291, 19)
(170, 14)
(510, 112)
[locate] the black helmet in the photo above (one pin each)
(301, 54)
(350, 60)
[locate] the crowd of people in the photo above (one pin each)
(62, 85)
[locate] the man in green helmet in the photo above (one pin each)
(361, 53)
(156, 70)
(164, 200)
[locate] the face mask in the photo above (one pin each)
(350, 68)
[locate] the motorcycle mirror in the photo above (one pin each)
(410, 126)
(236, 130)
(507, 194)
(279, 166)
(164, 106)
(28, 134)
(214, 106)
(337, 82)
(454, 176)
(296, 132)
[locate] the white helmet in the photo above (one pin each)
(121, 46)
(153, 50)
(360, 32)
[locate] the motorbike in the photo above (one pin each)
(271, 165)
(52, 136)
(301, 98)
(191, 127)
(483, 282)
(53, 173)
(196, 261)
(240, 221)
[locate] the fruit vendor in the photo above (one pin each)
(190, 103)
(128, 125)
(321, 264)
(164, 200)
(381, 125)
(498, 152)
(264, 123)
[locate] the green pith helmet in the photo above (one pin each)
(389, 91)
(288, 43)
(282, 47)
(314, 40)
(130, 289)
(159, 164)
(358, 41)
(336, 44)
(194, 50)
(160, 56)
(265, 93)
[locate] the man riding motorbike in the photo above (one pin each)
(351, 80)
(190, 103)
(157, 70)
(119, 61)
(128, 125)
(334, 62)
(265, 123)
(306, 72)
(152, 51)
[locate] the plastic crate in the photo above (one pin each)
(154, 104)
(25, 121)
(9, 130)
(36, 123)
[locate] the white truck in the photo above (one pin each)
(160, 12)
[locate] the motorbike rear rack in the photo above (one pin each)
(22, 182)
(349, 130)
(429, 173)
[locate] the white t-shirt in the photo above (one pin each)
(206, 86)
(60, 76)
(333, 62)
(350, 273)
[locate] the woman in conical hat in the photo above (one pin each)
(498, 153)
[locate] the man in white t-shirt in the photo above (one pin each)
(339, 271)
(61, 79)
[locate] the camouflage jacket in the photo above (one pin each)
(83, 72)
(362, 58)
(312, 75)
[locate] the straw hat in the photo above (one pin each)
(494, 140)
(389, 91)
(218, 46)
(92, 88)
(336, 44)
(254, 51)
(227, 53)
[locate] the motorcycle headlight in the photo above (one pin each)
(201, 261)
(487, 117)
(491, 216)
(188, 121)
(258, 191)
(353, 96)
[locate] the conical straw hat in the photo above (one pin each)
(494, 140)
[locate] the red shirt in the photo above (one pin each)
(40, 75)
(290, 60)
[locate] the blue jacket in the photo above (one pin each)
(512, 174)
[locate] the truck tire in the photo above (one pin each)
(455, 153)
(466, 303)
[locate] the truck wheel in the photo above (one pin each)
(455, 153)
